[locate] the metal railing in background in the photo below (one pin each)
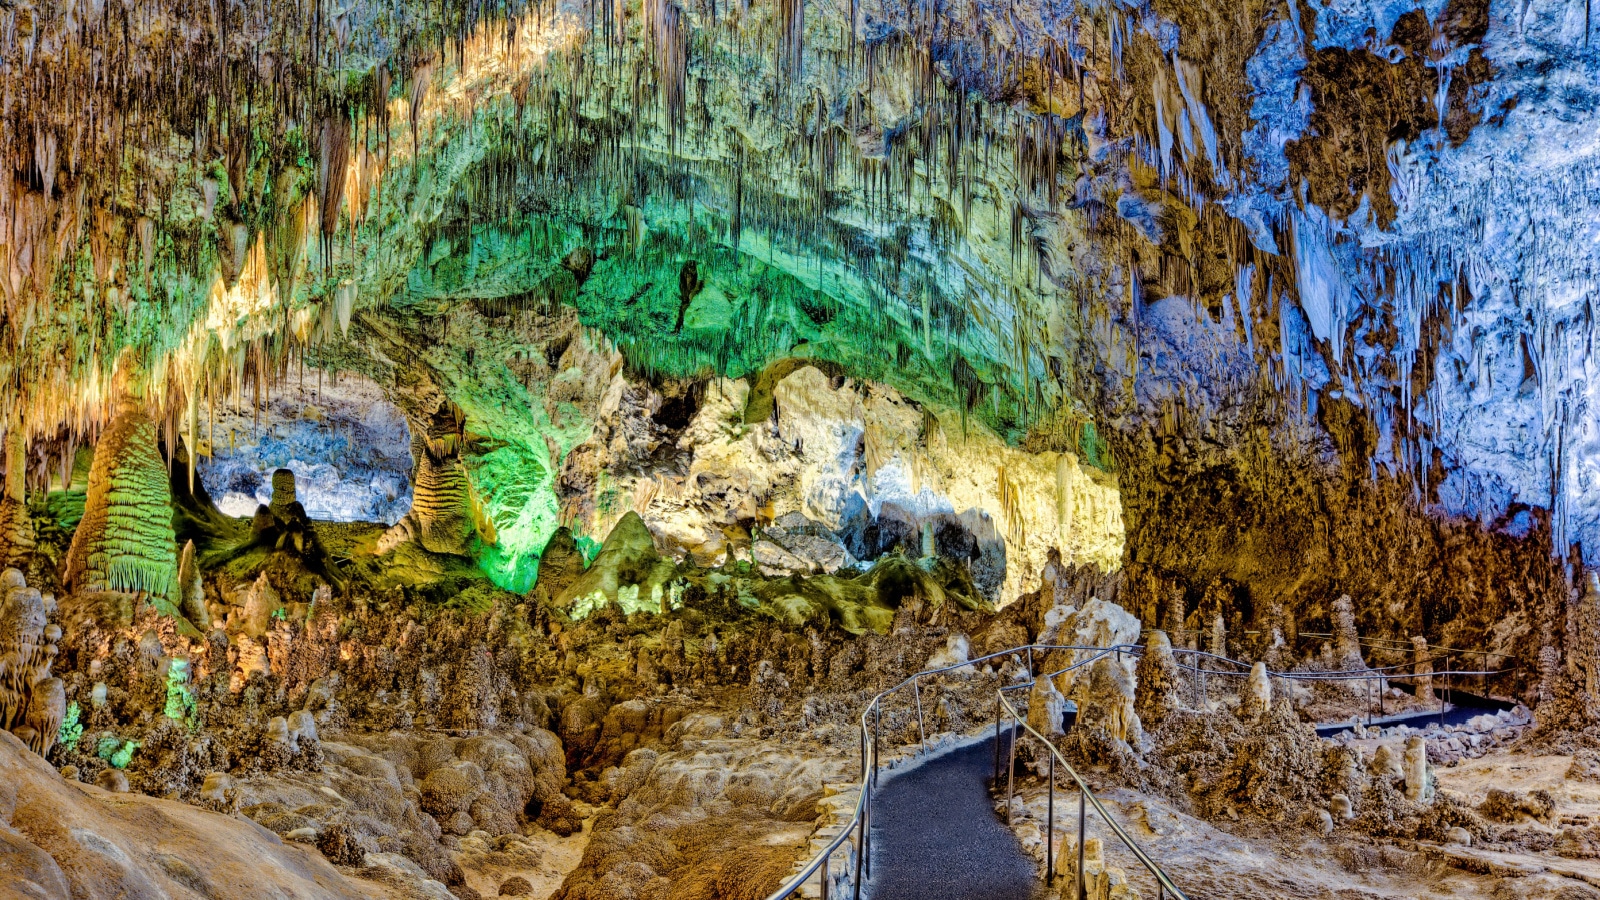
(858, 857)
(1373, 678)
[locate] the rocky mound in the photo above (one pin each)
(64, 839)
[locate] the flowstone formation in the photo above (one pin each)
(32, 701)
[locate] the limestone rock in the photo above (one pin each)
(1339, 807)
(1387, 762)
(957, 650)
(216, 787)
(795, 544)
(113, 780)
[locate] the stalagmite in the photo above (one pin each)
(1424, 671)
(1105, 699)
(283, 493)
(1255, 701)
(192, 590)
(1156, 681)
(1046, 708)
(1347, 643)
(32, 701)
(124, 543)
(16, 527)
(441, 518)
(125, 540)
(1217, 640)
(1418, 771)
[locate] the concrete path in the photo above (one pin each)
(936, 836)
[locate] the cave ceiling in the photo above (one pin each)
(1356, 233)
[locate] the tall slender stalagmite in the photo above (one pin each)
(16, 529)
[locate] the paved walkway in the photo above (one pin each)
(936, 836)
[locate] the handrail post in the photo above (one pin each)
(826, 860)
(1050, 827)
(1447, 694)
(1194, 683)
(1030, 662)
(861, 835)
(877, 729)
(997, 735)
(866, 838)
(922, 736)
(1083, 799)
(1011, 768)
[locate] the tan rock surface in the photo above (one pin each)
(60, 838)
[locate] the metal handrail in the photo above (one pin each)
(1396, 644)
(861, 816)
(1164, 886)
(1364, 675)
(1382, 674)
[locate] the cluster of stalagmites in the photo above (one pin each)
(1243, 752)
(447, 730)
(32, 701)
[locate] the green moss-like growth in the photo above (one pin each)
(125, 541)
(116, 751)
(180, 698)
(71, 731)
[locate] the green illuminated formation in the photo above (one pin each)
(124, 543)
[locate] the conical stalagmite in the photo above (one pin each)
(124, 543)
(192, 592)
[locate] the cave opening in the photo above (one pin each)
(348, 446)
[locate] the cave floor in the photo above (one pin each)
(1254, 859)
